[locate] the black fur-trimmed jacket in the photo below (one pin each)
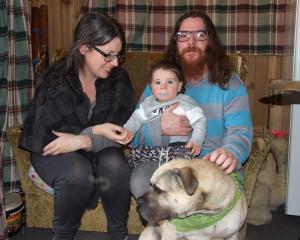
(65, 108)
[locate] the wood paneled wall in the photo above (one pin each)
(63, 15)
(261, 71)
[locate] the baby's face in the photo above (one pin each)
(165, 85)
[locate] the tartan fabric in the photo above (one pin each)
(252, 27)
(16, 80)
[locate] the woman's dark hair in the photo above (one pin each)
(219, 65)
(93, 29)
(170, 66)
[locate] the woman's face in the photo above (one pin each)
(95, 66)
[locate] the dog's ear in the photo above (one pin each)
(190, 182)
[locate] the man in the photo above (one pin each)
(196, 47)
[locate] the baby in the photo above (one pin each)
(167, 84)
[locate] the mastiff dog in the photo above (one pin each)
(192, 200)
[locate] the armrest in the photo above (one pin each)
(260, 150)
(21, 156)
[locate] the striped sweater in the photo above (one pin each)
(229, 123)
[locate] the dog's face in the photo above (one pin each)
(181, 188)
(175, 190)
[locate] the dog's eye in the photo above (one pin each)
(157, 189)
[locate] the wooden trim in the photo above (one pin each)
(285, 85)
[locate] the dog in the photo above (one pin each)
(181, 191)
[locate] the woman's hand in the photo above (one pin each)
(224, 159)
(195, 148)
(66, 142)
(174, 125)
(112, 132)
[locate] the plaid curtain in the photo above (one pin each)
(16, 82)
(249, 26)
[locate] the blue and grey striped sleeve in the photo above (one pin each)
(237, 122)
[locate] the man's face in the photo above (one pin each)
(192, 50)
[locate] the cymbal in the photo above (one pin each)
(282, 99)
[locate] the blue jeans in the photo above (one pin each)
(78, 179)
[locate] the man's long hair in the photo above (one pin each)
(219, 65)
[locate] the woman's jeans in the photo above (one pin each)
(78, 178)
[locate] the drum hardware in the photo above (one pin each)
(14, 211)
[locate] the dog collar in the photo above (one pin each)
(199, 220)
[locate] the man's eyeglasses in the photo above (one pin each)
(183, 36)
(108, 57)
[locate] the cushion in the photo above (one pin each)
(38, 182)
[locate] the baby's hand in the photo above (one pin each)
(128, 136)
(195, 148)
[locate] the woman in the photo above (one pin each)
(84, 89)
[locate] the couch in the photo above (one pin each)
(39, 205)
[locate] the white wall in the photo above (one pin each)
(293, 181)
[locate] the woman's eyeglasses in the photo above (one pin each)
(200, 35)
(108, 57)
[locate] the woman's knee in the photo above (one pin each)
(112, 159)
(76, 174)
(113, 172)
(71, 168)
(79, 176)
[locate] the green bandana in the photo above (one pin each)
(199, 220)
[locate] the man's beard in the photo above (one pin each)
(193, 69)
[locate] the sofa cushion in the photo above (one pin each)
(38, 182)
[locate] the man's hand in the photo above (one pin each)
(66, 143)
(224, 159)
(174, 125)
